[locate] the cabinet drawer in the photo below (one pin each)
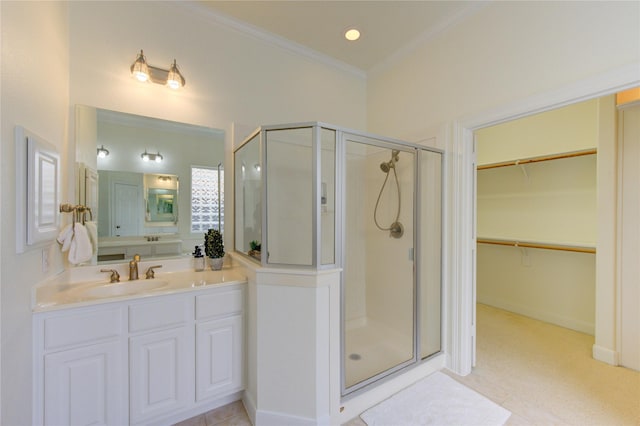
(82, 327)
(222, 302)
(166, 312)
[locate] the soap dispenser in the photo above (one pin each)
(198, 259)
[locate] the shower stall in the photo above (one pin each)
(316, 196)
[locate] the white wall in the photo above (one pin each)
(35, 94)
(507, 51)
(85, 50)
(629, 292)
(509, 58)
(231, 77)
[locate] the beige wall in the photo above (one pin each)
(554, 202)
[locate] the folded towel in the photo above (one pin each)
(81, 249)
(92, 230)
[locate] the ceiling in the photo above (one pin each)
(387, 27)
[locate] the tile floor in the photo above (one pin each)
(542, 373)
(232, 414)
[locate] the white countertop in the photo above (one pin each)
(64, 292)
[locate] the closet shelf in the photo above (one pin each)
(537, 245)
(538, 159)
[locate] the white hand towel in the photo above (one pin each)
(65, 237)
(92, 230)
(80, 249)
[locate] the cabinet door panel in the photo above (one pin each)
(161, 373)
(218, 357)
(85, 386)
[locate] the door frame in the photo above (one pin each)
(461, 230)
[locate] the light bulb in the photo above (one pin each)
(140, 69)
(175, 80)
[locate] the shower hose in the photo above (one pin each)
(375, 210)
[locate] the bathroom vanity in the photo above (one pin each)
(158, 351)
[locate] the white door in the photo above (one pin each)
(126, 209)
(84, 386)
(161, 373)
(629, 234)
(218, 357)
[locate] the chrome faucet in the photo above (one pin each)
(133, 267)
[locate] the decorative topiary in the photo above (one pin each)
(213, 244)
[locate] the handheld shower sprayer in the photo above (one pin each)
(388, 165)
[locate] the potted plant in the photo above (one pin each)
(255, 249)
(214, 248)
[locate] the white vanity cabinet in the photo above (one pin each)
(154, 359)
(219, 345)
(80, 367)
(160, 356)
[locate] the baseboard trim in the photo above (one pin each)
(606, 355)
(562, 321)
(250, 406)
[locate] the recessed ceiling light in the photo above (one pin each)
(352, 34)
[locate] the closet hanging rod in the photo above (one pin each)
(539, 159)
(546, 246)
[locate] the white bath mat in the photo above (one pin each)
(436, 400)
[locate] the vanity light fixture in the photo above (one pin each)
(146, 156)
(103, 152)
(144, 72)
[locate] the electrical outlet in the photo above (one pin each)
(45, 260)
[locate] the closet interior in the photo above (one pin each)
(537, 216)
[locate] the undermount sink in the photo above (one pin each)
(125, 288)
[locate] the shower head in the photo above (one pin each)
(388, 165)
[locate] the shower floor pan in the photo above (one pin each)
(372, 349)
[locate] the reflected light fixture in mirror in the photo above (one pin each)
(103, 152)
(144, 72)
(146, 156)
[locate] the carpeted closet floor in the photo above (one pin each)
(545, 374)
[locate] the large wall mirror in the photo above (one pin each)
(155, 206)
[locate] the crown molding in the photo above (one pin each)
(214, 16)
(426, 36)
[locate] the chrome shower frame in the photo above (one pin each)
(342, 136)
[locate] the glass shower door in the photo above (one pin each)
(378, 278)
